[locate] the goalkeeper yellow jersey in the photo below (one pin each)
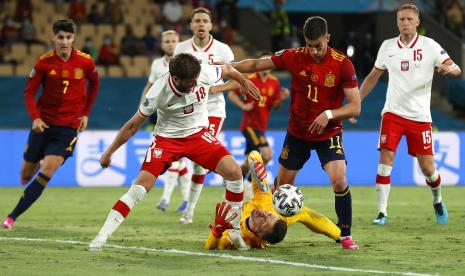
(313, 220)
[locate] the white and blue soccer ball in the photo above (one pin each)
(288, 200)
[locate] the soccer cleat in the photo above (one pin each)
(381, 219)
(8, 223)
(348, 243)
(182, 207)
(97, 244)
(162, 205)
(186, 219)
(441, 212)
(257, 169)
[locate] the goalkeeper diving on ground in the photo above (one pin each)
(260, 224)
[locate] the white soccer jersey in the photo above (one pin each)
(158, 68)
(180, 114)
(214, 51)
(411, 69)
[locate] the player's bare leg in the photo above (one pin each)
(34, 190)
(383, 185)
(433, 179)
(285, 176)
(143, 184)
(336, 171)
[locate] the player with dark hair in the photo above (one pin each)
(62, 109)
(208, 50)
(261, 225)
(256, 115)
(180, 99)
(321, 78)
(410, 59)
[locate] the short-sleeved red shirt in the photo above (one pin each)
(315, 88)
(270, 92)
(63, 100)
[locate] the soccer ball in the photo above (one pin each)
(287, 200)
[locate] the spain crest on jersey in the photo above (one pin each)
(78, 73)
(329, 80)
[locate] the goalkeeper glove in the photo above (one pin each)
(222, 221)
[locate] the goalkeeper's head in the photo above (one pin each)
(267, 226)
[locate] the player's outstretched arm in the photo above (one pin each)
(236, 100)
(228, 86)
(127, 131)
(246, 85)
(254, 65)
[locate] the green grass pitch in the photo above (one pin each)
(411, 243)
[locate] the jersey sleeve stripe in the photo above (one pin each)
(142, 114)
(446, 60)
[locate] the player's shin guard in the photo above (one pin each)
(383, 187)
(234, 195)
(343, 205)
(184, 182)
(30, 195)
(196, 189)
(434, 181)
(171, 179)
(121, 210)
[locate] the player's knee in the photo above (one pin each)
(339, 183)
(233, 173)
(266, 156)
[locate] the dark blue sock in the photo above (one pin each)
(30, 195)
(343, 204)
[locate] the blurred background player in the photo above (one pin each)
(256, 115)
(208, 50)
(321, 78)
(61, 110)
(410, 60)
(261, 225)
(180, 98)
(178, 171)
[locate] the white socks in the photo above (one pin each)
(383, 187)
(120, 210)
(171, 179)
(436, 191)
(194, 195)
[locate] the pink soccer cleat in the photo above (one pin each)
(8, 223)
(348, 243)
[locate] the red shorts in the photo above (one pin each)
(215, 125)
(419, 135)
(201, 147)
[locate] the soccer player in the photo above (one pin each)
(180, 99)
(208, 50)
(178, 171)
(261, 225)
(256, 115)
(410, 60)
(321, 78)
(62, 109)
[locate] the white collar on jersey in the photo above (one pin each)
(410, 45)
(206, 48)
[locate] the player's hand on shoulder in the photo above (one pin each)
(250, 89)
(105, 160)
(38, 125)
(83, 124)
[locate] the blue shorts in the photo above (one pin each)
(55, 140)
(296, 152)
(254, 139)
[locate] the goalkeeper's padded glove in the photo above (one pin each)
(222, 221)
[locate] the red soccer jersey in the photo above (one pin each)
(63, 100)
(270, 92)
(315, 87)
